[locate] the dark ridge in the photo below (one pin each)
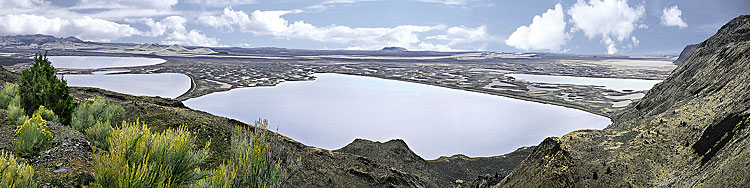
(395, 49)
(686, 52)
(717, 135)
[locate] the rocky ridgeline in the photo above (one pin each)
(688, 131)
(686, 52)
(38, 40)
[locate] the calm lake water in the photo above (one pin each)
(98, 62)
(167, 85)
(609, 83)
(333, 110)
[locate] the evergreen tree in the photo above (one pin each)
(40, 86)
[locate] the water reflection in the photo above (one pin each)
(335, 109)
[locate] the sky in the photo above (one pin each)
(656, 27)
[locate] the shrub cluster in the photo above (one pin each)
(15, 174)
(32, 136)
(98, 110)
(93, 119)
(97, 135)
(40, 86)
(251, 163)
(139, 158)
(10, 99)
(46, 114)
(16, 114)
(7, 94)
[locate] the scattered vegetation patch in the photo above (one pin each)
(32, 136)
(10, 99)
(46, 114)
(91, 112)
(97, 135)
(7, 94)
(251, 163)
(40, 87)
(14, 173)
(16, 114)
(139, 158)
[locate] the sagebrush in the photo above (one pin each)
(251, 163)
(7, 94)
(32, 136)
(16, 114)
(98, 110)
(14, 173)
(97, 135)
(46, 114)
(139, 158)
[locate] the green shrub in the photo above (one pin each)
(46, 114)
(98, 110)
(32, 136)
(251, 163)
(16, 114)
(139, 158)
(221, 177)
(15, 174)
(98, 134)
(7, 94)
(40, 86)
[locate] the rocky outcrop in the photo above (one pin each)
(689, 49)
(688, 131)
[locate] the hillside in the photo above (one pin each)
(688, 131)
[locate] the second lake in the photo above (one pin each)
(333, 110)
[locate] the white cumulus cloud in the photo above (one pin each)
(609, 19)
(85, 28)
(672, 16)
(176, 33)
(272, 23)
(546, 32)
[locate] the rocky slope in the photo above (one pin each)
(689, 131)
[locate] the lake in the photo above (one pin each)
(333, 110)
(609, 83)
(98, 62)
(167, 85)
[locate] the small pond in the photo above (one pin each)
(98, 62)
(167, 85)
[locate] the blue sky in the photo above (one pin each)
(568, 26)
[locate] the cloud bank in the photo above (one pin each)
(86, 28)
(409, 36)
(612, 20)
(546, 32)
